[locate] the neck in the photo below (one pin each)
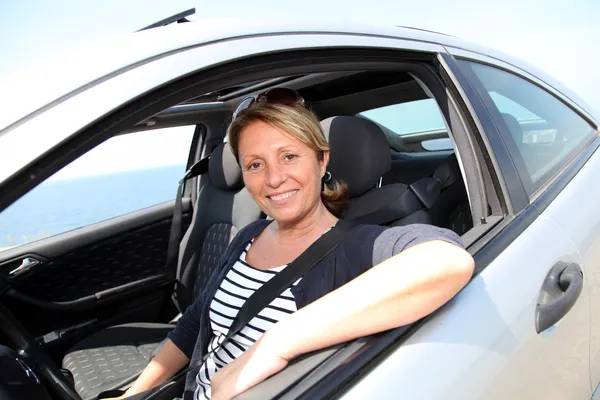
(314, 224)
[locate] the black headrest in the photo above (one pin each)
(514, 127)
(448, 171)
(360, 153)
(223, 170)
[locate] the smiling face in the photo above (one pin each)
(282, 174)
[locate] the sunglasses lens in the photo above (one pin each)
(285, 96)
(247, 102)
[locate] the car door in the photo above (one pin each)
(87, 248)
(493, 340)
(582, 225)
(554, 144)
(551, 143)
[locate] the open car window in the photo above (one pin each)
(404, 121)
(124, 174)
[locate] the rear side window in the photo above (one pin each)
(124, 174)
(541, 131)
(412, 126)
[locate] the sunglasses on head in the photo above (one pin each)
(283, 96)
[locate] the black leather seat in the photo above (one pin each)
(360, 156)
(115, 356)
(451, 209)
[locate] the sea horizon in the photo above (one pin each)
(59, 206)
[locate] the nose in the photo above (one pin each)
(274, 176)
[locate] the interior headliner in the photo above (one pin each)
(327, 94)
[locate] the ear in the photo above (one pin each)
(324, 162)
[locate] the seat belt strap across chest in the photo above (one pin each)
(275, 286)
(290, 274)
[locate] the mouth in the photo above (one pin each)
(283, 196)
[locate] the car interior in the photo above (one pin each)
(101, 301)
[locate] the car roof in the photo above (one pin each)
(44, 85)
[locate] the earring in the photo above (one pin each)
(326, 178)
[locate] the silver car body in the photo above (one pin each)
(483, 344)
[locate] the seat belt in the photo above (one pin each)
(290, 274)
(274, 287)
(176, 234)
(390, 212)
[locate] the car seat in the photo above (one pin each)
(115, 356)
(451, 209)
(360, 155)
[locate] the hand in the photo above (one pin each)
(256, 364)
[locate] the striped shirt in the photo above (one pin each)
(239, 284)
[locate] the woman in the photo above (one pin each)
(376, 279)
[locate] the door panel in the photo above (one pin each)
(122, 258)
(578, 214)
(484, 344)
(108, 273)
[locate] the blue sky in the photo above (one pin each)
(559, 37)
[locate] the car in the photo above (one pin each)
(510, 152)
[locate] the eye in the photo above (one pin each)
(253, 166)
(290, 156)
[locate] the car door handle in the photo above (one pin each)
(560, 291)
(26, 265)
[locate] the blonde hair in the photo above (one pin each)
(302, 124)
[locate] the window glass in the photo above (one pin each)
(546, 133)
(412, 123)
(124, 174)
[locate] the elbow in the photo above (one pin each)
(446, 268)
(447, 279)
(463, 264)
(458, 269)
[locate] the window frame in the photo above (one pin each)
(496, 123)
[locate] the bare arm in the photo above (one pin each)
(396, 292)
(167, 362)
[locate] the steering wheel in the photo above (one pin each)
(22, 340)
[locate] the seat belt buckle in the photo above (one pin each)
(427, 191)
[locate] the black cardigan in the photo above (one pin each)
(363, 247)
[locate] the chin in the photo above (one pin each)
(286, 216)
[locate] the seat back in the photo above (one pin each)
(222, 208)
(451, 209)
(359, 156)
